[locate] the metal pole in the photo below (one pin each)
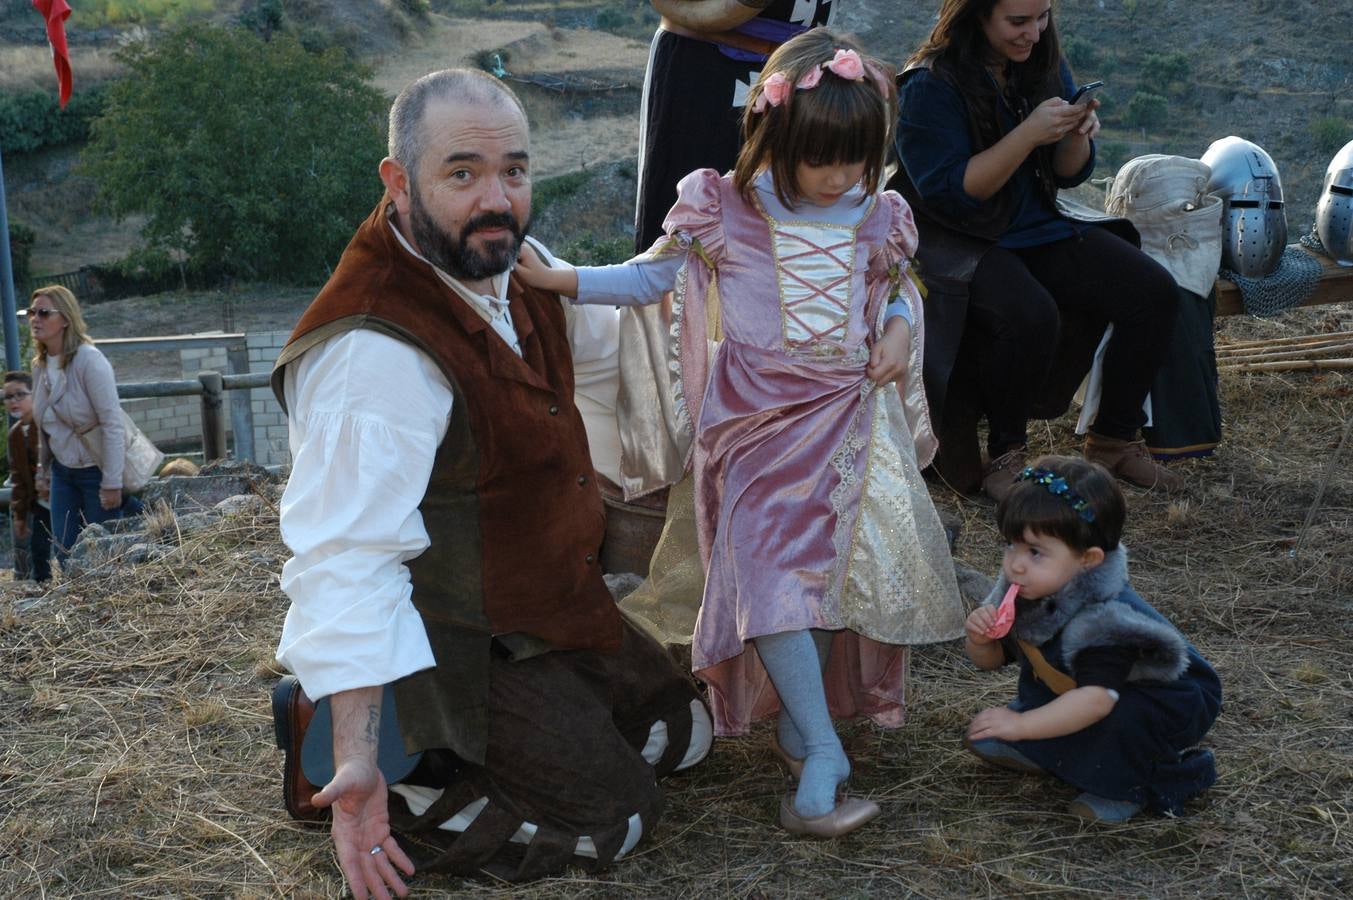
(7, 310)
(213, 423)
(241, 405)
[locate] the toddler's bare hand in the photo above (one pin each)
(998, 722)
(979, 621)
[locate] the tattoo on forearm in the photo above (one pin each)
(373, 724)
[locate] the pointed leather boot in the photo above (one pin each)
(998, 479)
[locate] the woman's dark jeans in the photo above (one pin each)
(1014, 318)
(75, 503)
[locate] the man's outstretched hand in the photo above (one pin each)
(357, 794)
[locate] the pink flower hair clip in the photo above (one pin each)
(774, 89)
(846, 64)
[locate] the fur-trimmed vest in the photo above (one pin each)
(512, 510)
(1098, 608)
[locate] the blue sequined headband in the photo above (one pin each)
(1056, 485)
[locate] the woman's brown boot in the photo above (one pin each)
(1131, 461)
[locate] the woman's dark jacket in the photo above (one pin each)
(956, 232)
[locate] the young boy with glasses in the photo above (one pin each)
(28, 506)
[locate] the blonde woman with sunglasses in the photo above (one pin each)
(74, 391)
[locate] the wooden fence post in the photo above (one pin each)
(213, 422)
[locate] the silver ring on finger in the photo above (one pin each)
(377, 850)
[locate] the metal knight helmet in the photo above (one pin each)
(1253, 222)
(1334, 212)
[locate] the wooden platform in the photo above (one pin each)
(1336, 286)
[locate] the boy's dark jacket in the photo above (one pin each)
(23, 455)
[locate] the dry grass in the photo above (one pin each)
(138, 758)
(28, 67)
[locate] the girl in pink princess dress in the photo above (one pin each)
(793, 312)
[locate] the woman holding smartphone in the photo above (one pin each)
(987, 135)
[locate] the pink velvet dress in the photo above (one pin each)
(810, 507)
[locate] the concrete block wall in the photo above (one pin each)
(176, 421)
(167, 420)
(270, 423)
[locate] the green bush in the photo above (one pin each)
(589, 250)
(34, 120)
(1167, 73)
(1160, 69)
(263, 18)
(419, 9)
(611, 19)
(549, 191)
(21, 241)
(461, 7)
(306, 21)
(1080, 52)
(1113, 154)
(1330, 133)
(1146, 110)
(249, 158)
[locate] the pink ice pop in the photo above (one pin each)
(1005, 614)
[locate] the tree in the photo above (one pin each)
(251, 159)
(1147, 110)
(1330, 133)
(1168, 73)
(1113, 154)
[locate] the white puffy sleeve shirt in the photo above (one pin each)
(366, 415)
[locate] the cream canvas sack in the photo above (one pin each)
(141, 458)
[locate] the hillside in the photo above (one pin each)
(1278, 74)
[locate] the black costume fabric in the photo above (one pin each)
(1017, 301)
(1145, 750)
(1185, 409)
(690, 121)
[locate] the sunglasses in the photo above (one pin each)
(43, 312)
(17, 395)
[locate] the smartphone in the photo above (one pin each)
(1083, 92)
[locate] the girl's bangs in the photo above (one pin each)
(844, 125)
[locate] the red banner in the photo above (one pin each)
(55, 12)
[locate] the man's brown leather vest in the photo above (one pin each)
(512, 508)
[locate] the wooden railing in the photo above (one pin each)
(237, 370)
(1336, 286)
(211, 387)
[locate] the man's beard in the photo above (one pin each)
(453, 253)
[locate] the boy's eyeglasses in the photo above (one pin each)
(17, 395)
(43, 312)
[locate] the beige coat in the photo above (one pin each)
(66, 407)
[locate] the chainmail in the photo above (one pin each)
(1311, 241)
(1290, 285)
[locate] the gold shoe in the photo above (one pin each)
(850, 813)
(793, 764)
